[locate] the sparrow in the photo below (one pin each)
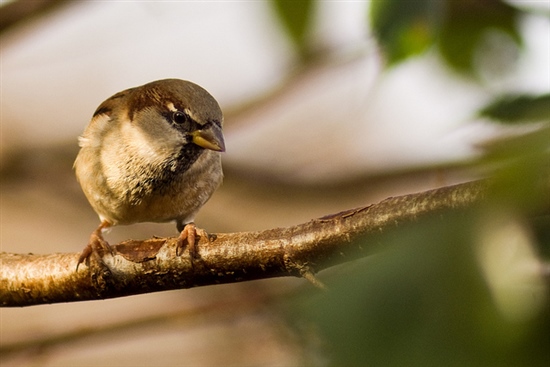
(151, 154)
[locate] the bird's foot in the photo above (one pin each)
(97, 245)
(188, 236)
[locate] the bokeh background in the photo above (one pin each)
(329, 105)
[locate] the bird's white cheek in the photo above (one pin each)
(137, 142)
(152, 144)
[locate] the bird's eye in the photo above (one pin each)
(179, 117)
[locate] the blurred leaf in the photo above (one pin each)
(465, 24)
(521, 170)
(295, 16)
(541, 229)
(518, 109)
(423, 301)
(456, 28)
(405, 28)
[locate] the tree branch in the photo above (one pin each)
(138, 267)
(16, 12)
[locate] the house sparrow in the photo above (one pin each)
(151, 154)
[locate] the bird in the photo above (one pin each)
(151, 154)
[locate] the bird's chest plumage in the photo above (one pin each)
(171, 189)
(156, 176)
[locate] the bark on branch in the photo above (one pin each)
(151, 265)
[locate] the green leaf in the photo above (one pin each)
(405, 28)
(295, 16)
(467, 22)
(458, 28)
(520, 168)
(518, 109)
(422, 301)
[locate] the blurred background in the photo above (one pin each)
(328, 105)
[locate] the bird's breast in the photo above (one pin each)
(172, 189)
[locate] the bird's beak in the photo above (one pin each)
(209, 138)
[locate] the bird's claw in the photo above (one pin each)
(96, 246)
(188, 236)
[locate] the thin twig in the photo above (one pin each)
(17, 12)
